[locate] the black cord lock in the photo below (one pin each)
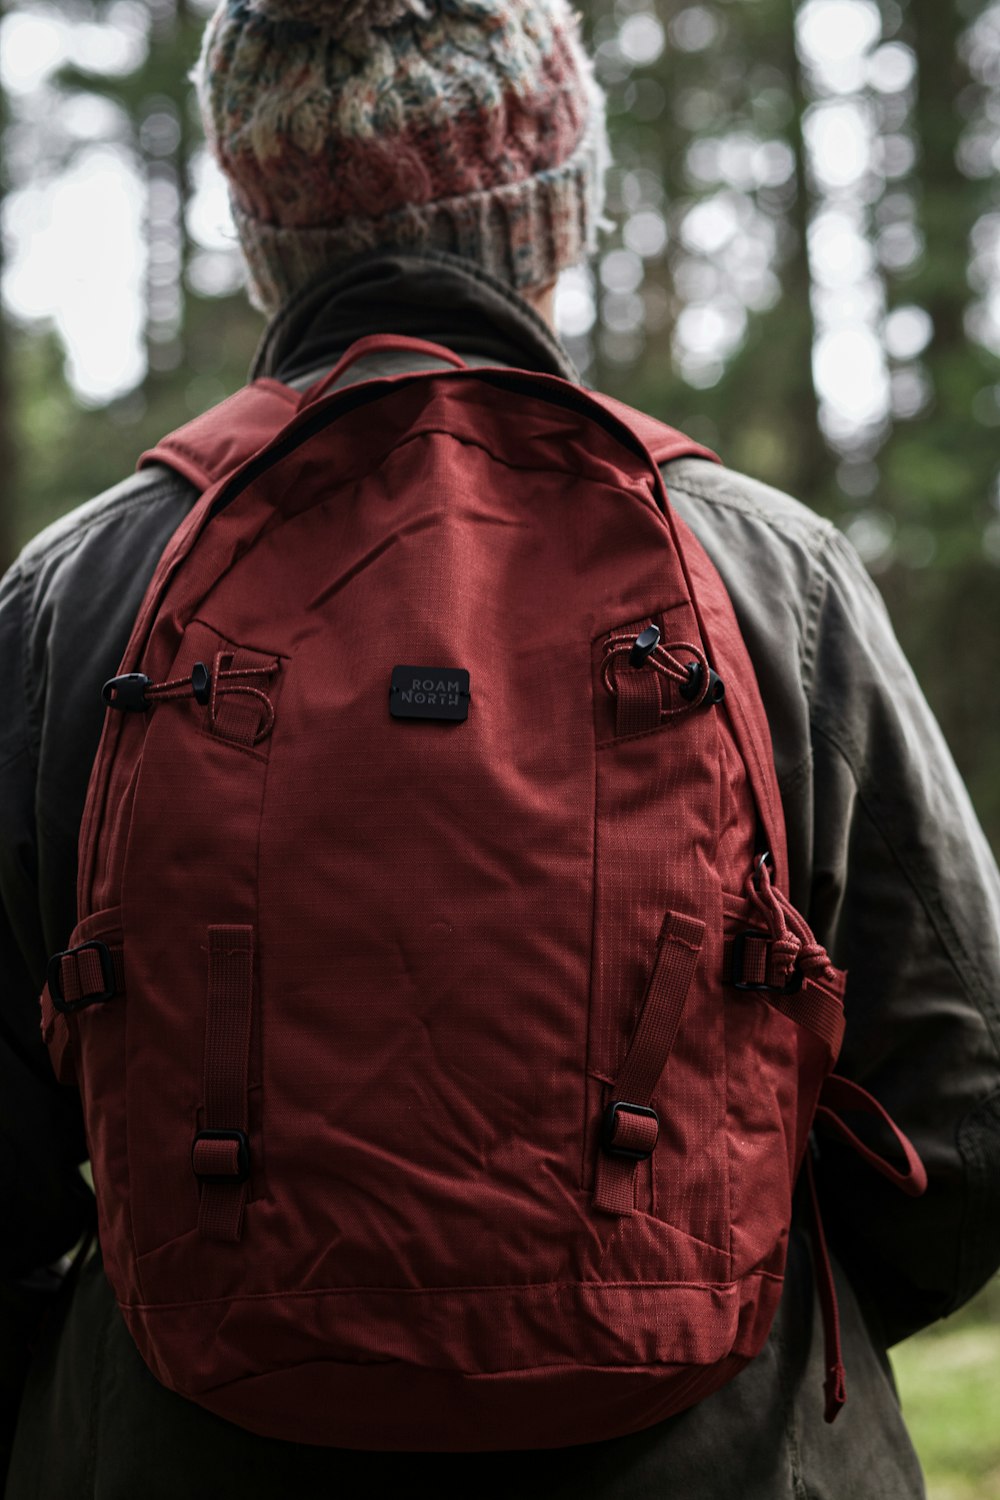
(692, 688)
(127, 694)
(644, 645)
(201, 683)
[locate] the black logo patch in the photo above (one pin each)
(429, 693)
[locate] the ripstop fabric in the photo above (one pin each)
(448, 1078)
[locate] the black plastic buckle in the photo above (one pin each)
(127, 694)
(242, 1157)
(608, 1129)
(791, 985)
(53, 978)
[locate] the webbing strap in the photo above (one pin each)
(227, 1061)
(81, 973)
(748, 960)
(223, 438)
(816, 1007)
(635, 1133)
(842, 1094)
(380, 343)
(637, 701)
(751, 964)
(835, 1382)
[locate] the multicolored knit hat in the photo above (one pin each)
(472, 126)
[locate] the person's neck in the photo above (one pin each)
(543, 300)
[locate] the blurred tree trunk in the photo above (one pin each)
(743, 85)
(164, 143)
(948, 200)
(940, 467)
(941, 464)
(809, 474)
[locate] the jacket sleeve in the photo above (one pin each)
(46, 1203)
(41, 1137)
(905, 894)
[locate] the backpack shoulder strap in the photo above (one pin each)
(222, 439)
(720, 630)
(663, 442)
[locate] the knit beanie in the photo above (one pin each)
(344, 126)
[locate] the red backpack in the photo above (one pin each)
(447, 1044)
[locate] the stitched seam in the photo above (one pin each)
(96, 1395)
(814, 532)
(951, 945)
(810, 635)
(113, 510)
(975, 1245)
(786, 1394)
(798, 774)
(32, 736)
(509, 1289)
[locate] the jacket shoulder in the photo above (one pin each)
(775, 557)
(727, 496)
(144, 501)
(66, 611)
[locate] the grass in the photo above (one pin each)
(949, 1384)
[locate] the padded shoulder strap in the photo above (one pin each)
(220, 440)
(663, 442)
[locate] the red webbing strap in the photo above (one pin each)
(81, 972)
(380, 343)
(757, 966)
(837, 1094)
(227, 1060)
(638, 702)
(676, 959)
(818, 1003)
(662, 442)
(220, 440)
(817, 1007)
(835, 1384)
(841, 1094)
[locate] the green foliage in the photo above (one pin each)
(947, 1381)
(76, 452)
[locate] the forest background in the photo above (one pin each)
(804, 272)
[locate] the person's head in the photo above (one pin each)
(349, 126)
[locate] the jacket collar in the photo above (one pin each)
(427, 295)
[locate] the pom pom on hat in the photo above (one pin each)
(471, 126)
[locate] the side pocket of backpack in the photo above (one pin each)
(656, 891)
(205, 757)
